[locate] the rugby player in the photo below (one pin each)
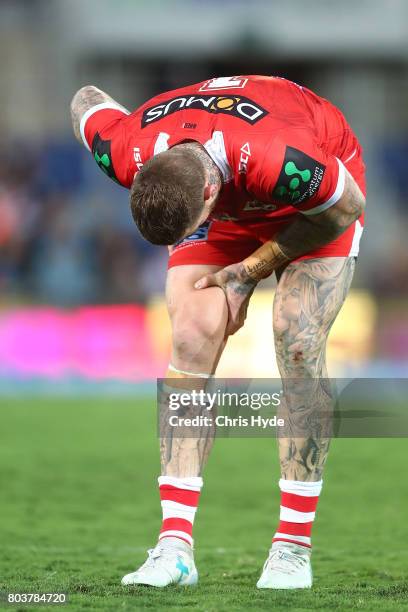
(244, 176)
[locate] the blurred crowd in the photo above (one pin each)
(67, 238)
(66, 234)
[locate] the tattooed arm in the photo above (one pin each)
(307, 233)
(84, 99)
(303, 235)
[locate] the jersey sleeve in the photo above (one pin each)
(103, 134)
(296, 171)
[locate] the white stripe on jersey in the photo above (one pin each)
(336, 195)
(161, 143)
(216, 150)
(93, 110)
(351, 157)
(355, 245)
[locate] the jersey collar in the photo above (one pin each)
(215, 148)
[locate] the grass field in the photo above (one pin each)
(79, 507)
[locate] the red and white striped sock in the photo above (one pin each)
(179, 501)
(297, 511)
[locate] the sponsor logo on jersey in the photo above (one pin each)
(235, 106)
(101, 150)
(137, 156)
(244, 158)
(299, 179)
(233, 82)
(200, 234)
(257, 205)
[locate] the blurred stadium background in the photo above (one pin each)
(80, 291)
(82, 318)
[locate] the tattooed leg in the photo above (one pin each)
(309, 296)
(198, 321)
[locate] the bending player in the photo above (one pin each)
(245, 176)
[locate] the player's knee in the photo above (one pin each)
(196, 325)
(301, 356)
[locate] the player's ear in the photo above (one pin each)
(209, 191)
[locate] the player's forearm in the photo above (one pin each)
(299, 238)
(84, 99)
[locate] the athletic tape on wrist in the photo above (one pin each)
(265, 260)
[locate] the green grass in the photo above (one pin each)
(79, 506)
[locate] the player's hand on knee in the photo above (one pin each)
(238, 288)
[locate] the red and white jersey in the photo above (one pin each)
(278, 145)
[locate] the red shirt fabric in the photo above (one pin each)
(278, 145)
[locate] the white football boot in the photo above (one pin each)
(287, 567)
(170, 562)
